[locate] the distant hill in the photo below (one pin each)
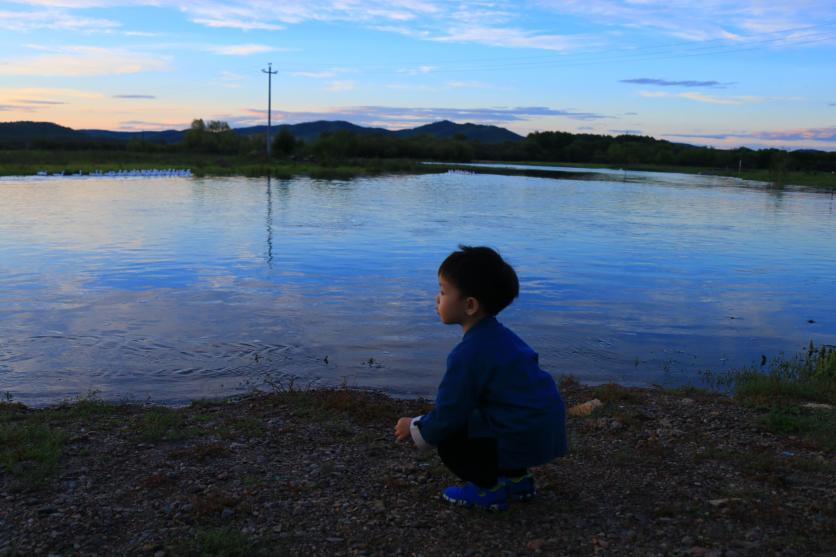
(166, 136)
(33, 131)
(307, 131)
(478, 132)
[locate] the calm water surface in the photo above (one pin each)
(172, 289)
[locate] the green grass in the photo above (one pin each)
(164, 424)
(30, 451)
(215, 542)
(28, 163)
(613, 392)
(783, 390)
(811, 178)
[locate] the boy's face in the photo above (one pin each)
(450, 305)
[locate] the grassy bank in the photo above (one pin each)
(794, 396)
(811, 179)
(28, 163)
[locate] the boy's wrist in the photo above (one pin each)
(417, 438)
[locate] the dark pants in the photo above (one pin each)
(474, 459)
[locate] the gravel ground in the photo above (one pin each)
(318, 473)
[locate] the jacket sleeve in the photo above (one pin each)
(456, 399)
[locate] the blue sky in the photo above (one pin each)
(755, 73)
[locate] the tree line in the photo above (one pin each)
(551, 146)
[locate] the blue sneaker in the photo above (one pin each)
(471, 495)
(519, 489)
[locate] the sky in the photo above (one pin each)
(724, 73)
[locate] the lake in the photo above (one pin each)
(171, 289)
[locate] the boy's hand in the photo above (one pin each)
(402, 429)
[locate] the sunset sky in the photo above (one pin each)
(757, 73)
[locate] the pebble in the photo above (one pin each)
(227, 514)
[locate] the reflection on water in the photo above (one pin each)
(179, 288)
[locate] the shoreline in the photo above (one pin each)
(220, 166)
(650, 472)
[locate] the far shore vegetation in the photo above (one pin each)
(215, 149)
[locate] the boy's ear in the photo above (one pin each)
(472, 306)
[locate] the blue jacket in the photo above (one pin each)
(495, 388)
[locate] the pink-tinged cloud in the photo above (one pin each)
(826, 134)
(398, 117)
(83, 61)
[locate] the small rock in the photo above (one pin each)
(585, 408)
(535, 545)
(160, 553)
(227, 514)
(334, 540)
(724, 501)
(697, 552)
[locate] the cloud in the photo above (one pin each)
(145, 125)
(467, 84)
(134, 97)
(510, 37)
(631, 114)
(33, 101)
(83, 61)
(399, 117)
(715, 99)
(831, 104)
(239, 24)
(626, 132)
(465, 21)
(826, 134)
(425, 69)
(52, 19)
(729, 21)
(230, 80)
(46, 93)
(241, 49)
(17, 108)
(666, 83)
(340, 85)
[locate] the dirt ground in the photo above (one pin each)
(651, 472)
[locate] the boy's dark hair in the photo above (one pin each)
(480, 272)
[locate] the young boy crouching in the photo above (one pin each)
(496, 413)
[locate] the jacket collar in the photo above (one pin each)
(483, 324)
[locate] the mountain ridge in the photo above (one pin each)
(27, 131)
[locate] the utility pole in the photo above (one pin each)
(269, 71)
